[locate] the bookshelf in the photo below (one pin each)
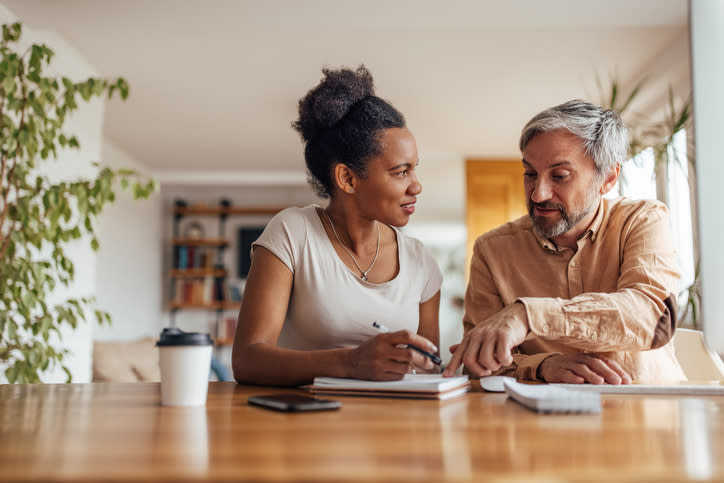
(198, 274)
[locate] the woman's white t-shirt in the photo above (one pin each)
(330, 306)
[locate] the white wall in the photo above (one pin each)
(129, 262)
(707, 22)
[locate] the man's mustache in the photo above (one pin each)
(547, 205)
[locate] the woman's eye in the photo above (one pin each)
(529, 175)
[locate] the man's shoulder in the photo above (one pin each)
(622, 208)
(519, 228)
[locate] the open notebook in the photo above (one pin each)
(685, 388)
(681, 389)
(423, 386)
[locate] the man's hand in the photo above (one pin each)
(489, 346)
(579, 368)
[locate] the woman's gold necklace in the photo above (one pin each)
(377, 250)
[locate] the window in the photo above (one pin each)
(638, 181)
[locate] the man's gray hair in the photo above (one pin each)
(603, 134)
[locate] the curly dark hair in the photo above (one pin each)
(340, 121)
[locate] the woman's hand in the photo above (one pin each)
(386, 357)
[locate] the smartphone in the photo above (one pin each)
(293, 402)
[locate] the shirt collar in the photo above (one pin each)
(595, 226)
(543, 241)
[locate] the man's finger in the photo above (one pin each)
(588, 374)
(471, 359)
(456, 359)
(504, 351)
(569, 377)
(600, 366)
(616, 367)
(486, 356)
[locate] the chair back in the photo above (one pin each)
(698, 362)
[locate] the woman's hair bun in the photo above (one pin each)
(327, 103)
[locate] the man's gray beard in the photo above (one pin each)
(567, 220)
(551, 231)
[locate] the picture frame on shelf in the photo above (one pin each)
(246, 236)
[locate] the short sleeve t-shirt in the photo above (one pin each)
(330, 306)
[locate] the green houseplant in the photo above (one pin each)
(39, 217)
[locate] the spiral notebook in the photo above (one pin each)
(548, 398)
(416, 386)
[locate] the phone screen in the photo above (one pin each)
(293, 402)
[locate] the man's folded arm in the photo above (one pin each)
(525, 367)
(640, 315)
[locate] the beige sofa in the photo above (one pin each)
(126, 361)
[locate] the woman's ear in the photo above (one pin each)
(344, 178)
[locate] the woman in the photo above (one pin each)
(320, 277)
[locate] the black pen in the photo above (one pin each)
(431, 356)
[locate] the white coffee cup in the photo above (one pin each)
(185, 361)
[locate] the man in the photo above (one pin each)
(583, 289)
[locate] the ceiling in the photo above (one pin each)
(215, 83)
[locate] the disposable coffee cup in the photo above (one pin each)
(185, 361)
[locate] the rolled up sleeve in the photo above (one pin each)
(639, 315)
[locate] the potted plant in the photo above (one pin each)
(658, 135)
(39, 217)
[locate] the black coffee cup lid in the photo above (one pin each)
(171, 336)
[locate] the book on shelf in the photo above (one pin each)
(206, 259)
(208, 294)
(226, 328)
(196, 291)
(186, 257)
(417, 386)
(191, 250)
(218, 289)
(182, 261)
(232, 292)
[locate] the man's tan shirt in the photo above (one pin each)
(614, 296)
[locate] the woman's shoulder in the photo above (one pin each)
(291, 225)
(295, 216)
(288, 231)
(412, 246)
(418, 263)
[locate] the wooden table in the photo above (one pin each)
(113, 431)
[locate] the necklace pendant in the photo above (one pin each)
(363, 277)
